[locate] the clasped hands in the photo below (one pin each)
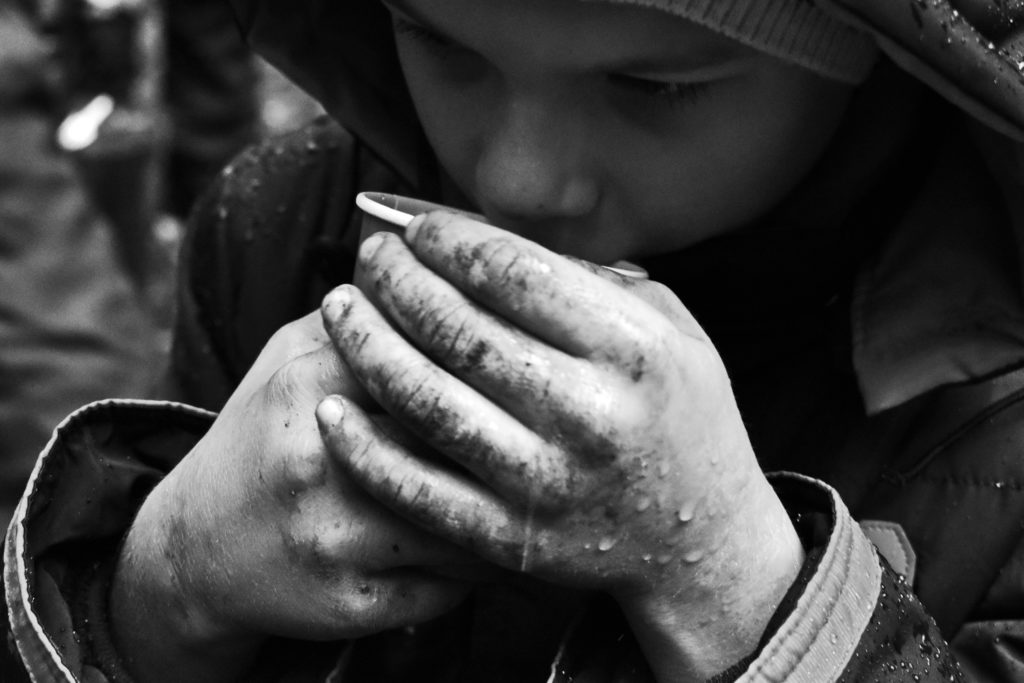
(486, 401)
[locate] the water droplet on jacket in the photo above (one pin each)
(643, 503)
(664, 559)
(693, 556)
(647, 557)
(606, 544)
(663, 469)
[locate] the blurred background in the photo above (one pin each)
(114, 116)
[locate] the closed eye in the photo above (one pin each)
(672, 92)
(425, 36)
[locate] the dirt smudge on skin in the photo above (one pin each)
(311, 553)
(474, 357)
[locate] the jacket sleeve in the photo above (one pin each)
(855, 619)
(848, 617)
(273, 234)
(81, 498)
(265, 243)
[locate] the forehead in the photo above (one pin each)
(560, 30)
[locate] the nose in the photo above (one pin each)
(534, 163)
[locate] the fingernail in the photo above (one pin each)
(339, 297)
(330, 412)
(413, 228)
(370, 245)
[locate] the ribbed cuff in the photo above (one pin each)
(796, 31)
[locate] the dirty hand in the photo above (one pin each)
(257, 533)
(590, 433)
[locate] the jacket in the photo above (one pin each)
(920, 415)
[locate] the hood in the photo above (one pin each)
(343, 54)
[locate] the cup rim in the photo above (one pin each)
(373, 203)
(370, 203)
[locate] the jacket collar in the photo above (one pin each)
(942, 303)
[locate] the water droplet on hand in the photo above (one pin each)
(643, 503)
(607, 543)
(686, 512)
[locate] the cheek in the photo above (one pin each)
(774, 141)
(451, 117)
(736, 158)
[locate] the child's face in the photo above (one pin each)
(608, 131)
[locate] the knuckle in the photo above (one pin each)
(539, 479)
(319, 549)
(505, 264)
(646, 350)
(285, 383)
(404, 387)
(491, 535)
(357, 597)
(413, 396)
(303, 470)
(434, 226)
(411, 494)
(554, 495)
(450, 336)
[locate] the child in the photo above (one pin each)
(490, 457)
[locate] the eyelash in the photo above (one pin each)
(671, 93)
(416, 32)
(679, 92)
